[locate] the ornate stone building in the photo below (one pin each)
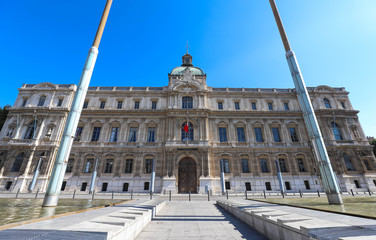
(125, 128)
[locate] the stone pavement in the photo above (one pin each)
(196, 220)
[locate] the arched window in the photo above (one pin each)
(187, 102)
(327, 103)
(348, 163)
(336, 131)
(187, 135)
(42, 99)
(18, 162)
(30, 131)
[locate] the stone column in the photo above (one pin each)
(268, 135)
(41, 126)
(18, 130)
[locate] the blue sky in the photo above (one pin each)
(235, 42)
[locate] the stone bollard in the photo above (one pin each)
(189, 195)
(36, 194)
(151, 195)
(264, 193)
(92, 197)
(246, 196)
(318, 193)
(131, 194)
(112, 194)
(300, 192)
(74, 194)
(227, 195)
(352, 192)
(208, 196)
(170, 196)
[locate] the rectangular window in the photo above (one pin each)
(245, 167)
(104, 187)
(268, 186)
(237, 106)
(120, 105)
(222, 134)
(306, 183)
(343, 105)
(102, 105)
(227, 185)
(136, 105)
(59, 102)
(88, 168)
(301, 165)
(270, 105)
(258, 134)
(254, 107)
(128, 166)
(24, 101)
(248, 186)
(109, 166)
(282, 164)
(276, 137)
(264, 165)
(77, 136)
(220, 105)
(63, 185)
(356, 182)
(187, 102)
(154, 105)
(286, 106)
(240, 131)
(225, 166)
(287, 185)
(133, 134)
(146, 185)
(86, 103)
(96, 133)
(42, 99)
(8, 185)
(125, 187)
(293, 135)
(148, 165)
(114, 134)
(70, 165)
(83, 186)
(151, 134)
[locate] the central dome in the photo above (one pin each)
(187, 64)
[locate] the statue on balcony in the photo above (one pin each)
(49, 133)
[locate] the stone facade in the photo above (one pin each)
(124, 128)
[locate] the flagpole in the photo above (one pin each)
(57, 176)
(329, 179)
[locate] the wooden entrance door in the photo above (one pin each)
(187, 176)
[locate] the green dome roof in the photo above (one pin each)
(187, 63)
(180, 70)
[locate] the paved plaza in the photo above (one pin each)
(196, 220)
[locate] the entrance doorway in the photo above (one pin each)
(187, 176)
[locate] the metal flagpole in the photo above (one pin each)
(152, 180)
(328, 177)
(93, 176)
(222, 176)
(279, 174)
(58, 172)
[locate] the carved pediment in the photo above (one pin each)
(45, 85)
(323, 88)
(187, 83)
